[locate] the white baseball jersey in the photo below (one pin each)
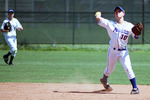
(14, 25)
(118, 34)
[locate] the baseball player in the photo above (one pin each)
(10, 36)
(119, 33)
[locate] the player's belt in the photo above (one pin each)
(119, 49)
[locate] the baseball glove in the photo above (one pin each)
(137, 28)
(7, 26)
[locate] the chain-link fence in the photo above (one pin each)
(72, 21)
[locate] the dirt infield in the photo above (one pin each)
(52, 91)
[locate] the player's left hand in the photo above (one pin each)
(137, 29)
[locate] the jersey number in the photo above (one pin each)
(124, 37)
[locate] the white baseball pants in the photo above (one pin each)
(124, 58)
(12, 43)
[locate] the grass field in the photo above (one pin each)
(71, 66)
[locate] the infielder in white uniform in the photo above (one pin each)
(10, 36)
(119, 33)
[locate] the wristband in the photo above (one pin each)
(136, 37)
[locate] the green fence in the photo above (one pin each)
(72, 21)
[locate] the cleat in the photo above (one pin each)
(5, 59)
(11, 59)
(135, 91)
(106, 85)
(11, 64)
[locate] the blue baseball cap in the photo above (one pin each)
(118, 7)
(10, 11)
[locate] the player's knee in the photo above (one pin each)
(14, 53)
(128, 69)
(14, 50)
(129, 73)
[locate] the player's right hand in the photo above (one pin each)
(98, 15)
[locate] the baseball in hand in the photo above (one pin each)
(98, 14)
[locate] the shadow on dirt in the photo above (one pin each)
(103, 91)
